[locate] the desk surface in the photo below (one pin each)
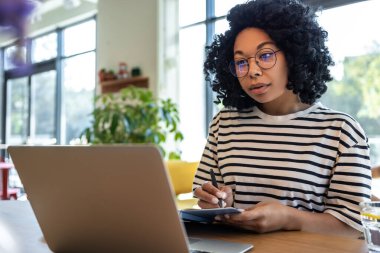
(291, 241)
(19, 233)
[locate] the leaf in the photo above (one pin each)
(134, 116)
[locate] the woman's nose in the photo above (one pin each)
(254, 69)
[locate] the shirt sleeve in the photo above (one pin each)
(209, 158)
(350, 183)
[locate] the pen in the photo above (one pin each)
(215, 184)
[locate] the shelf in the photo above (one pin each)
(116, 85)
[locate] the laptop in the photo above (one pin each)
(106, 198)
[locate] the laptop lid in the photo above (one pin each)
(103, 198)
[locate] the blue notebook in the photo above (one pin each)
(206, 215)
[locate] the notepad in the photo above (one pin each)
(206, 215)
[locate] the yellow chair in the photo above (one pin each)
(182, 174)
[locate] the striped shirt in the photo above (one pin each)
(314, 160)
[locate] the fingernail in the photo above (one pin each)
(218, 218)
(224, 204)
(220, 194)
(205, 182)
(226, 216)
(214, 200)
(224, 195)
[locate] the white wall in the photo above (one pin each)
(128, 31)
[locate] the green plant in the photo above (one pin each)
(134, 116)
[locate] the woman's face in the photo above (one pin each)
(263, 85)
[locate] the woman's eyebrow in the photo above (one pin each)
(260, 46)
(238, 52)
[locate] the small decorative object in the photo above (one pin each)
(136, 71)
(105, 75)
(134, 116)
(123, 71)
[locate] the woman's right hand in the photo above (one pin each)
(208, 196)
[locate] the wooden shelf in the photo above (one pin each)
(116, 85)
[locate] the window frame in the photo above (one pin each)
(39, 67)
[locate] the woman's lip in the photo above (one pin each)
(258, 88)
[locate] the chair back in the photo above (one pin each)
(182, 175)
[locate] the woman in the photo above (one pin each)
(279, 154)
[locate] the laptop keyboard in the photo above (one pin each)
(194, 240)
(199, 251)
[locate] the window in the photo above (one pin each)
(78, 94)
(44, 48)
(17, 110)
(52, 100)
(11, 53)
(43, 108)
(355, 47)
(73, 45)
(195, 33)
(192, 91)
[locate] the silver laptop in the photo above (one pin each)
(111, 198)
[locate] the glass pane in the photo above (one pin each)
(222, 6)
(191, 11)
(17, 111)
(192, 91)
(43, 105)
(13, 53)
(44, 48)
(78, 95)
(221, 26)
(87, 34)
(356, 85)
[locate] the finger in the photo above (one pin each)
(247, 215)
(208, 187)
(203, 195)
(246, 227)
(226, 189)
(230, 222)
(250, 228)
(206, 205)
(239, 223)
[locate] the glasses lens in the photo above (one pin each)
(266, 58)
(239, 68)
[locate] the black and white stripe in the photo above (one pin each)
(315, 160)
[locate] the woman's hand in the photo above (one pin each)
(208, 196)
(263, 217)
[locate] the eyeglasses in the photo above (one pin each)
(265, 58)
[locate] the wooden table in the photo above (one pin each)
(284, 242)
(19, 233)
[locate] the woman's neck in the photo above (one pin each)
(284, 105)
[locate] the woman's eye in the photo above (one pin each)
(241, 63)
(266, 56)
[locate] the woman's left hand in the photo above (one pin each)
(263, 217)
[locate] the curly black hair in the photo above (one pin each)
(293, 26)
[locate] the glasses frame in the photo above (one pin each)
(232, 68)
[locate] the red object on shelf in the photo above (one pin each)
(6, 193)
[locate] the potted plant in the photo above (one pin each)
(134, 116)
